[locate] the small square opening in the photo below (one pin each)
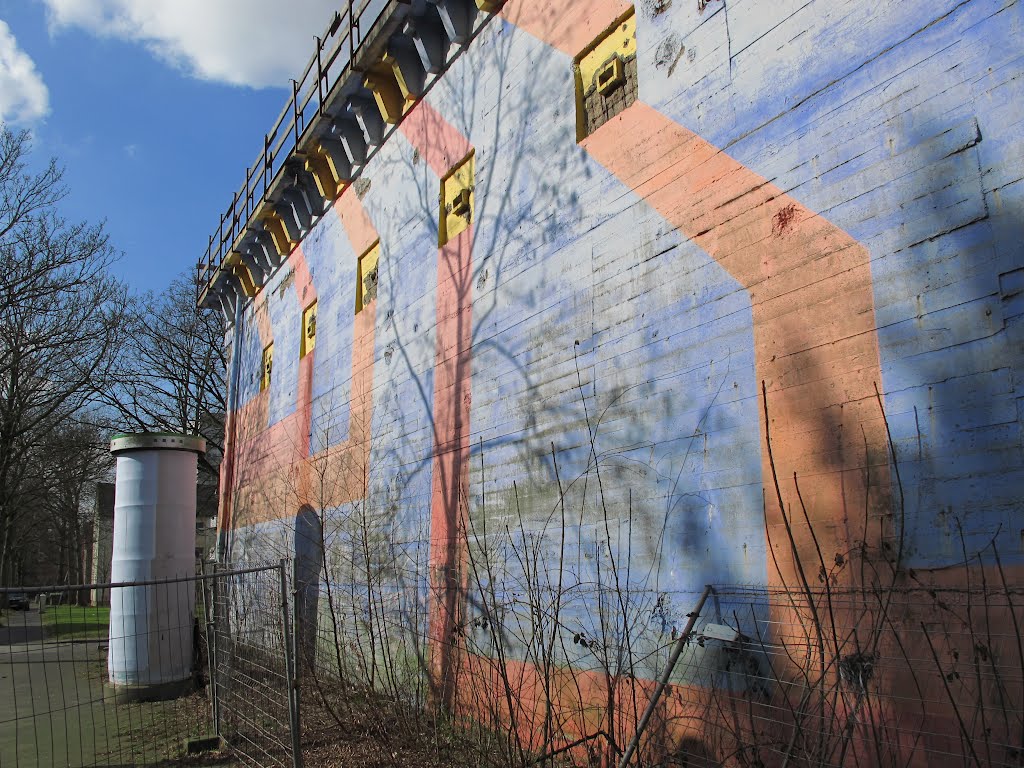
(605, 73)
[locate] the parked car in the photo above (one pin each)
(17, 601)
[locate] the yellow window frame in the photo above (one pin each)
(308, 332)
(457, 199)
(600, 64)
(367, 276)
(267, 366)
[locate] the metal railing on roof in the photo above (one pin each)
(336, 49)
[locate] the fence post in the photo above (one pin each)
(298, 650)
(677, 651)
(216, 597)
(211, 639)
(292, 693)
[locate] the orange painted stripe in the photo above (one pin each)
(568, 25)
(254, 414)
(276, 474)
(815, 338)
(356, 221)
(809, 282)
(242, 424)
(815, 341)
(450, 466)
(262, 317)
(339, 474)
(252, 417)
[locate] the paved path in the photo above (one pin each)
(53, 713)
(51, 697)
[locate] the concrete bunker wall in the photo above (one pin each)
(782, 210)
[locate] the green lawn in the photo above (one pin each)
(73, 622)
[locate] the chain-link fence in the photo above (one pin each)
(886, 674)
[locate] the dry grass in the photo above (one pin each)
(376, 732)
(154, 734)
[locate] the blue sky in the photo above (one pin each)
(154, 107)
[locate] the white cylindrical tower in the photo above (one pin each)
(150, 653)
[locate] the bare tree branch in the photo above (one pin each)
(170, 376)
(62, 324)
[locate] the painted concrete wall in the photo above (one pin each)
(808, 199)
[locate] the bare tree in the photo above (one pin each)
(73, 459)
(61, 321)
(171, 372)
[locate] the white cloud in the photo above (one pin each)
(241, 42)
(23, 94)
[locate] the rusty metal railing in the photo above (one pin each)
(335, 51)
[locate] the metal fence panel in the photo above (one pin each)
(58, 704)
(255, 700)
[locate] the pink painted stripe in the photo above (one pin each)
(443, 147)
(437, 140)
